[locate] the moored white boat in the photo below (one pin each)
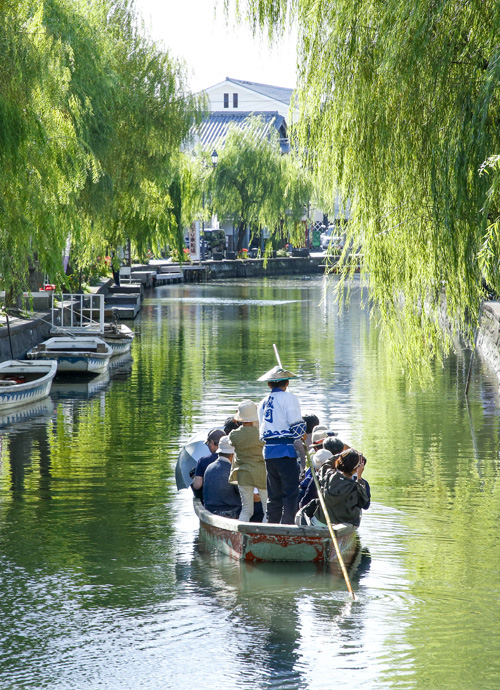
(118, 336)
(74, 353)
(23, 382)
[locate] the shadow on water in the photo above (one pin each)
(269, 606)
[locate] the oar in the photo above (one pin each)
(323, 505)
(329, 523)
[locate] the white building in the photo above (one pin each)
(233, 95)
(231, 102)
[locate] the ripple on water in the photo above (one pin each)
(102, 580)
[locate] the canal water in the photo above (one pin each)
(103, 583)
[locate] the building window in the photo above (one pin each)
(226, 100)
(235, 100)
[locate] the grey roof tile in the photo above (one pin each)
(213, 130)
(279, 93)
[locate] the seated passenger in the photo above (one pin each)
(230, 424)
(249, 469)
(318, 436)
(219, 496)
(345, 494)
(311, 421)
(334, 445)
(214, 435)
(307, 488)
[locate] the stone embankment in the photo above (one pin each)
(17, 336)
(488, 338)
(254, 268)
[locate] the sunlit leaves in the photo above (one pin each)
(399, 110)
(255, 185)
(92, 114)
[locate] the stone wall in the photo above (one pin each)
(23, 335)
(254, 268)
(488, 339)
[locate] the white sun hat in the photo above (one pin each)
(225, 446)
(320, 457)
(247, 412)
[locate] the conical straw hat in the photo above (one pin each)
(277, 374)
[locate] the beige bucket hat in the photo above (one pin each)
(277, 374)
(318, 435)
(247, 412)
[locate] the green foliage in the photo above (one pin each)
(92, 115)
(255, 186)
(398, 110)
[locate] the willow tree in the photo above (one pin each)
(255, 186)
(399, 110)
(92, 115)
(42, 162)
(140, 111)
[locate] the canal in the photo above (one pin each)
(102, 581)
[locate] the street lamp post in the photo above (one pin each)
(215, 157)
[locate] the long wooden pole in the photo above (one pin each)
(329, 523)
(323, 505)
(277, 356)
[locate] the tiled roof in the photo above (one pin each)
(278, 93)
(213, 130)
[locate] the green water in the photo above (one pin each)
(103, 583)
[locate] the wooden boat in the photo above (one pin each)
(24, 382)
(118, 336)
(76, 353)
(254, 541)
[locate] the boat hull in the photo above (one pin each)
(78, 354)
(119, 344)
(256, 542)
(31, 391)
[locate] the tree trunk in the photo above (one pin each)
(241, 235)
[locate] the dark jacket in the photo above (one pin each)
(307, 489)
(344, 498)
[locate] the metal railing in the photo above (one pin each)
(78, 311)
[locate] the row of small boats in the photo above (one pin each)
(88, 351)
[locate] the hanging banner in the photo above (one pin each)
(194, 241)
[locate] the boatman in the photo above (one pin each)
(280, 423)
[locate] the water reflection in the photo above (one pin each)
(103, 584)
